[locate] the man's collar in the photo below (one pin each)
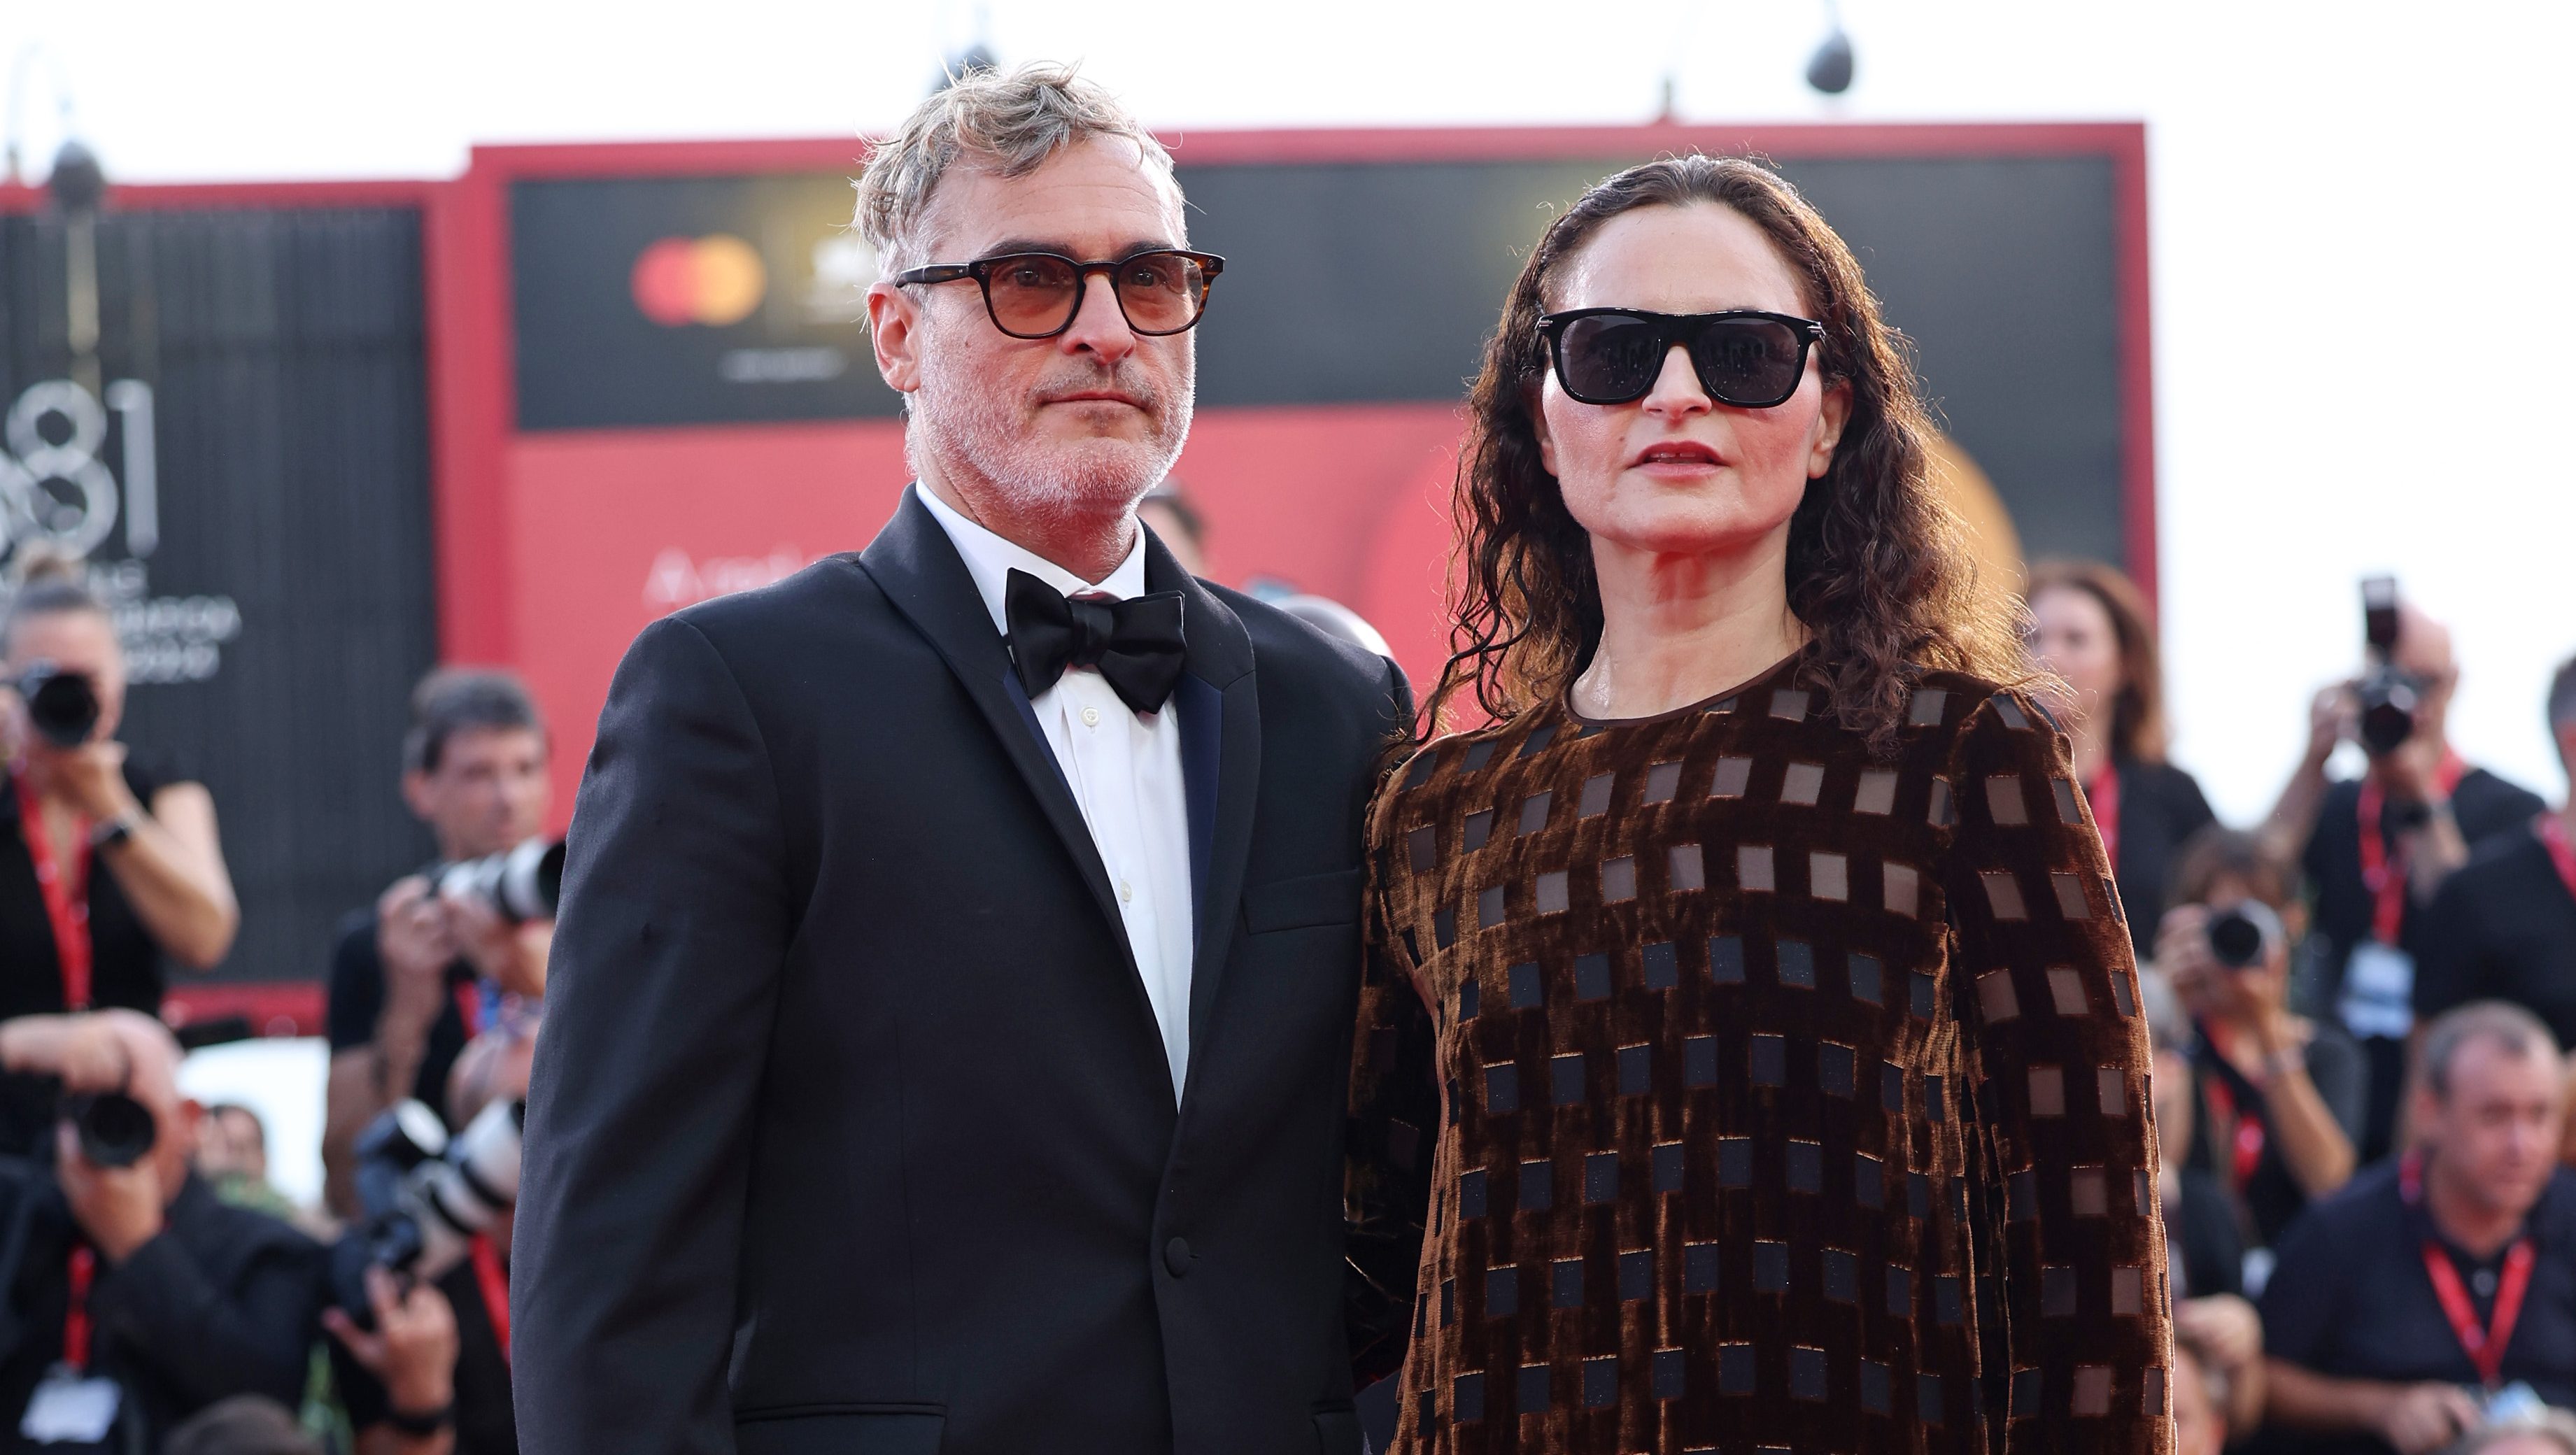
(990, 560)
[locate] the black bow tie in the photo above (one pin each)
(1135, 644)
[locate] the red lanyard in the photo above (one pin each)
(2485, 1347)
(469, 1004)
(2104, 794)
(76, 1316)
(495, 1286)
(2387, 880)
(66, 891)
(2247, 1139)
(2553, 837)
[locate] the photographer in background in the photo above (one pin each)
(2090, 626)
(136, 1297)
(416, 978)
(2439, 1285)
(2504, 926)
(438, 1379)
(106, 868)
(2280, 1098)
(2377, 848)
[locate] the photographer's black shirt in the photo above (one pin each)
(2503, 928)
(127, 967)
(358, 998)
(2161, 807)
(223, 1301)
(2271, 1198)
(2351, 1299)
(2483, 805)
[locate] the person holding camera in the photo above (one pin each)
(436, 1380)
(107, 868)
(2437, 1291)
(2504, 926)
(135, 1296)
(425, 971)
(2377, 848)
(2091, 626)
(2280, 1097)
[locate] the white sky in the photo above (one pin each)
(2348, 378)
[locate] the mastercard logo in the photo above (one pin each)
(715, 280)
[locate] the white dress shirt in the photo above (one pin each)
(1125, 771)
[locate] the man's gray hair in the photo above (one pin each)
(1009, 124)
(2516, 1031)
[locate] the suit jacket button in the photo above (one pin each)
(1176, 1257)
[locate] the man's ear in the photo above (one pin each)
(894, 324)
(415, 790)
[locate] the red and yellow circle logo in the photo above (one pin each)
(715, 280)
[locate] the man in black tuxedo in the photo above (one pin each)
(952, 996)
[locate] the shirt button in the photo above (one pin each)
(1091, 717)
(1176, 1257)
(1126, 892)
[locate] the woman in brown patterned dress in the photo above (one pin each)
(1751, 1055)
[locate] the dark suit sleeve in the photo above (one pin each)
(2448, 975)
(660, 995)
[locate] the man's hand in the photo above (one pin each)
(413, 1346)
(120, 1208)
(2334, 717)
(416, 945)
(2224, 1329)
(512, 956)
(2423, 1418)
(91, 778)
(2412, 770)
(82, 1051)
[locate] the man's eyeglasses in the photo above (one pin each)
(1036, 295)
(1743, 358)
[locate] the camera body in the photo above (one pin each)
(518, 884)
(423, 1195)
(2243, 935)
(114, 1129)
(62, 706)
(2390, 696)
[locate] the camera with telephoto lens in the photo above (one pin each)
(62, 706)
(518, 884)
(114, 1129)
(2390, 696)
(2242, 935)
(423, 1195)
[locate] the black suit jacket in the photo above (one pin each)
(851, 1128)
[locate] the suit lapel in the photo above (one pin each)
(915, 564)
(1220, 707)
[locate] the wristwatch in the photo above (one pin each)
(116, 830)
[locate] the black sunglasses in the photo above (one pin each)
(1743, 358)
(1037, 295)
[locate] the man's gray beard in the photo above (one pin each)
(978, 435)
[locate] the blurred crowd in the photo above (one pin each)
(2360, 1008)
(163, 1294)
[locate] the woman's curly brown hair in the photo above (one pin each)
(1878, 572)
